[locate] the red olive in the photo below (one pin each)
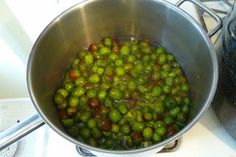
(63, 114)
(94, 103)
(97, 114)
(73, 74)
(81, 62)
(170, 131)
(109, 78)
(159, 82)
(71, 110)
(106, 124)
(116, 50)
(92, 48)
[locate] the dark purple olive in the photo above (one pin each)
(116, 42)
(170, 130)
(157, 116)
(132, 102)
(137, 137)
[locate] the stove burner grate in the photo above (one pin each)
(172, 147)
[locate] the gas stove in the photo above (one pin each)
(22, 22)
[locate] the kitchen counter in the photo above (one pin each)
(20, 24)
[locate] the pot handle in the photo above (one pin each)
(23, 128)
(207, 10)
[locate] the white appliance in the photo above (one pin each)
(20, 24)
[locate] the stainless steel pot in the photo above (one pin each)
(89, 21)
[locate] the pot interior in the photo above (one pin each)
(90, 21)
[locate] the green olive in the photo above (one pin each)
(160, 50)
(113, 57)
(102, 94)
(95, 78)
(73, 131)
(161, 59)
(138, 126)
(115, 128)
(156, 138)
(125, 50)
(104, 51)
(123, 94)
(69, 86)
(132, 85)
(85, 116)
(148, 133)
(80, 81)
(68, 122)
(125, 129)
(91, 123)
(175, 111)
(156, 91)
(108, 42)
(134, 48)
(78, 91)
(96, 133)
(62, 105)
(73, 101)
(161, 131)
(120, 71)
(114, 115)
(85, 132)
(139, 68)
(89, 59)
(58, 98)
(115, 93)
(122, 108)
(92, 93)
(119, 62)
(63, 92)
